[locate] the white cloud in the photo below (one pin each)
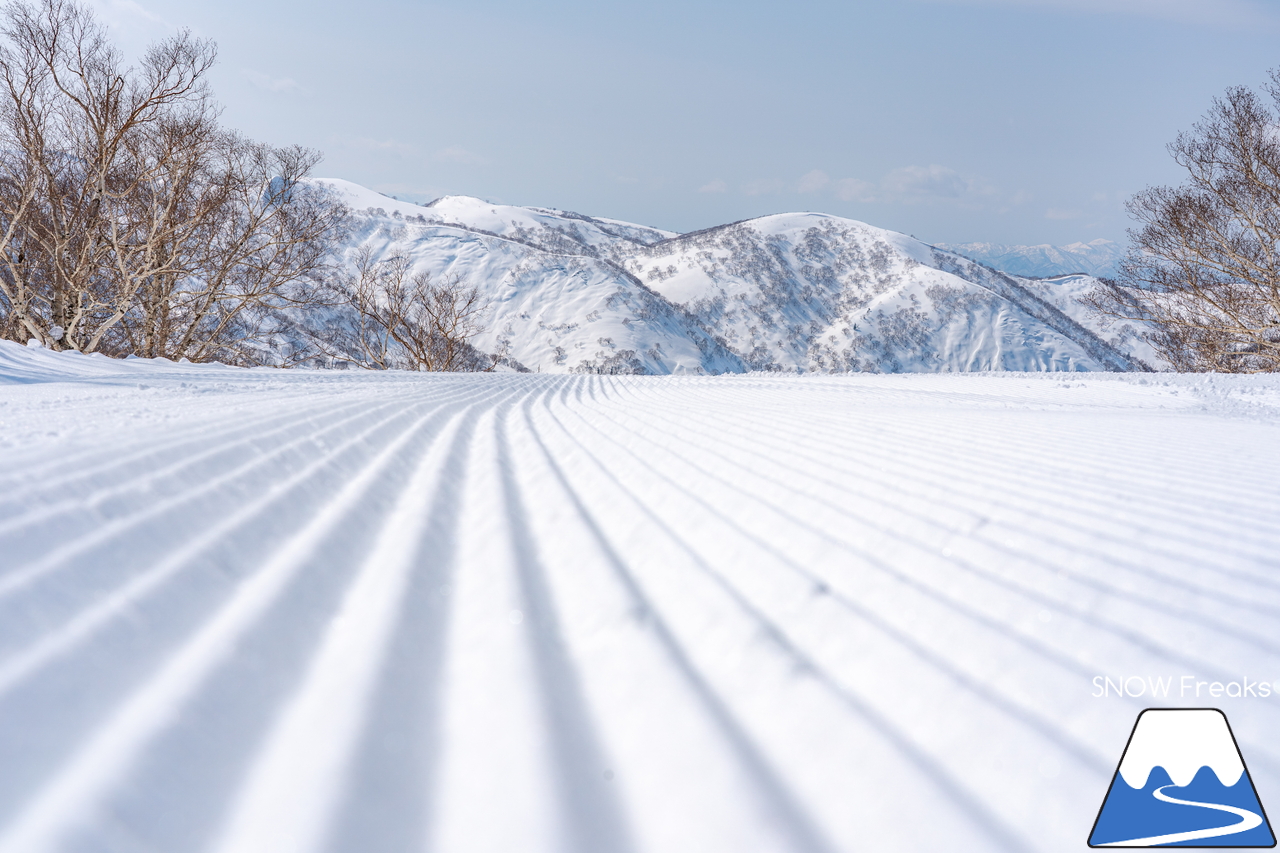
(925, 182)
(272, 84)
(388, 146)
(814, 181)
(767, 186)
(460, 155)
(904, 185)
(853, 189)
(123, 13)
(916, 184)
(132, 26)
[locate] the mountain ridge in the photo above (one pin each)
(1100, 258)
(794, 292)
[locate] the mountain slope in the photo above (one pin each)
(556, 305)
(790, 292)
(817, 292)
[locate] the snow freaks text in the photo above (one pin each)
(1181, 687)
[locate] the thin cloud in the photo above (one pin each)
(133, 27)
(814, 181)
(931, 184)
(392, 146)
(854, 189)
(460, 155)
(124, 12)
(916, 185)
(767, 186)
(926, 182)
(267, 83)
(1230, 14)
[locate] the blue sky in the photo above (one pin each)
(1015, 121)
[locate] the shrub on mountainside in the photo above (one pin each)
(131, 222)
(406, 320)
(1204, 268)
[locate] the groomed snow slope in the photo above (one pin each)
(274, 611)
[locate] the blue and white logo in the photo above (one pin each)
(1182, 783)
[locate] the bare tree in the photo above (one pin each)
(130, 221)
(1204, 268)
(256, 239)
(405, 320)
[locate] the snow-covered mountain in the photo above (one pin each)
(791, 292)
(559, 303)
(814, 292)
(1096, 258)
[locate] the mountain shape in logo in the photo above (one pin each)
(1182, 783)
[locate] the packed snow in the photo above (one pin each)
(350, 612)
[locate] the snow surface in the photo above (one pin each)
(261, 610)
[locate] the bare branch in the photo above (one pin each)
(1204, 268)
(407, 321)
(130, 221)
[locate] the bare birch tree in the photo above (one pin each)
(257, 238)
(1204, 268)
(130, 221)
(406, 320)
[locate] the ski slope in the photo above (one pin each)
(259, 610)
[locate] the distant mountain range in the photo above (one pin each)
(797, 292)
(1097, 258)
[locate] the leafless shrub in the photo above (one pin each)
(1204, 268)
(406, 320)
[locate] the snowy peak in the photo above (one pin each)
(361, 199)
(555, 230)
(1182, 742)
